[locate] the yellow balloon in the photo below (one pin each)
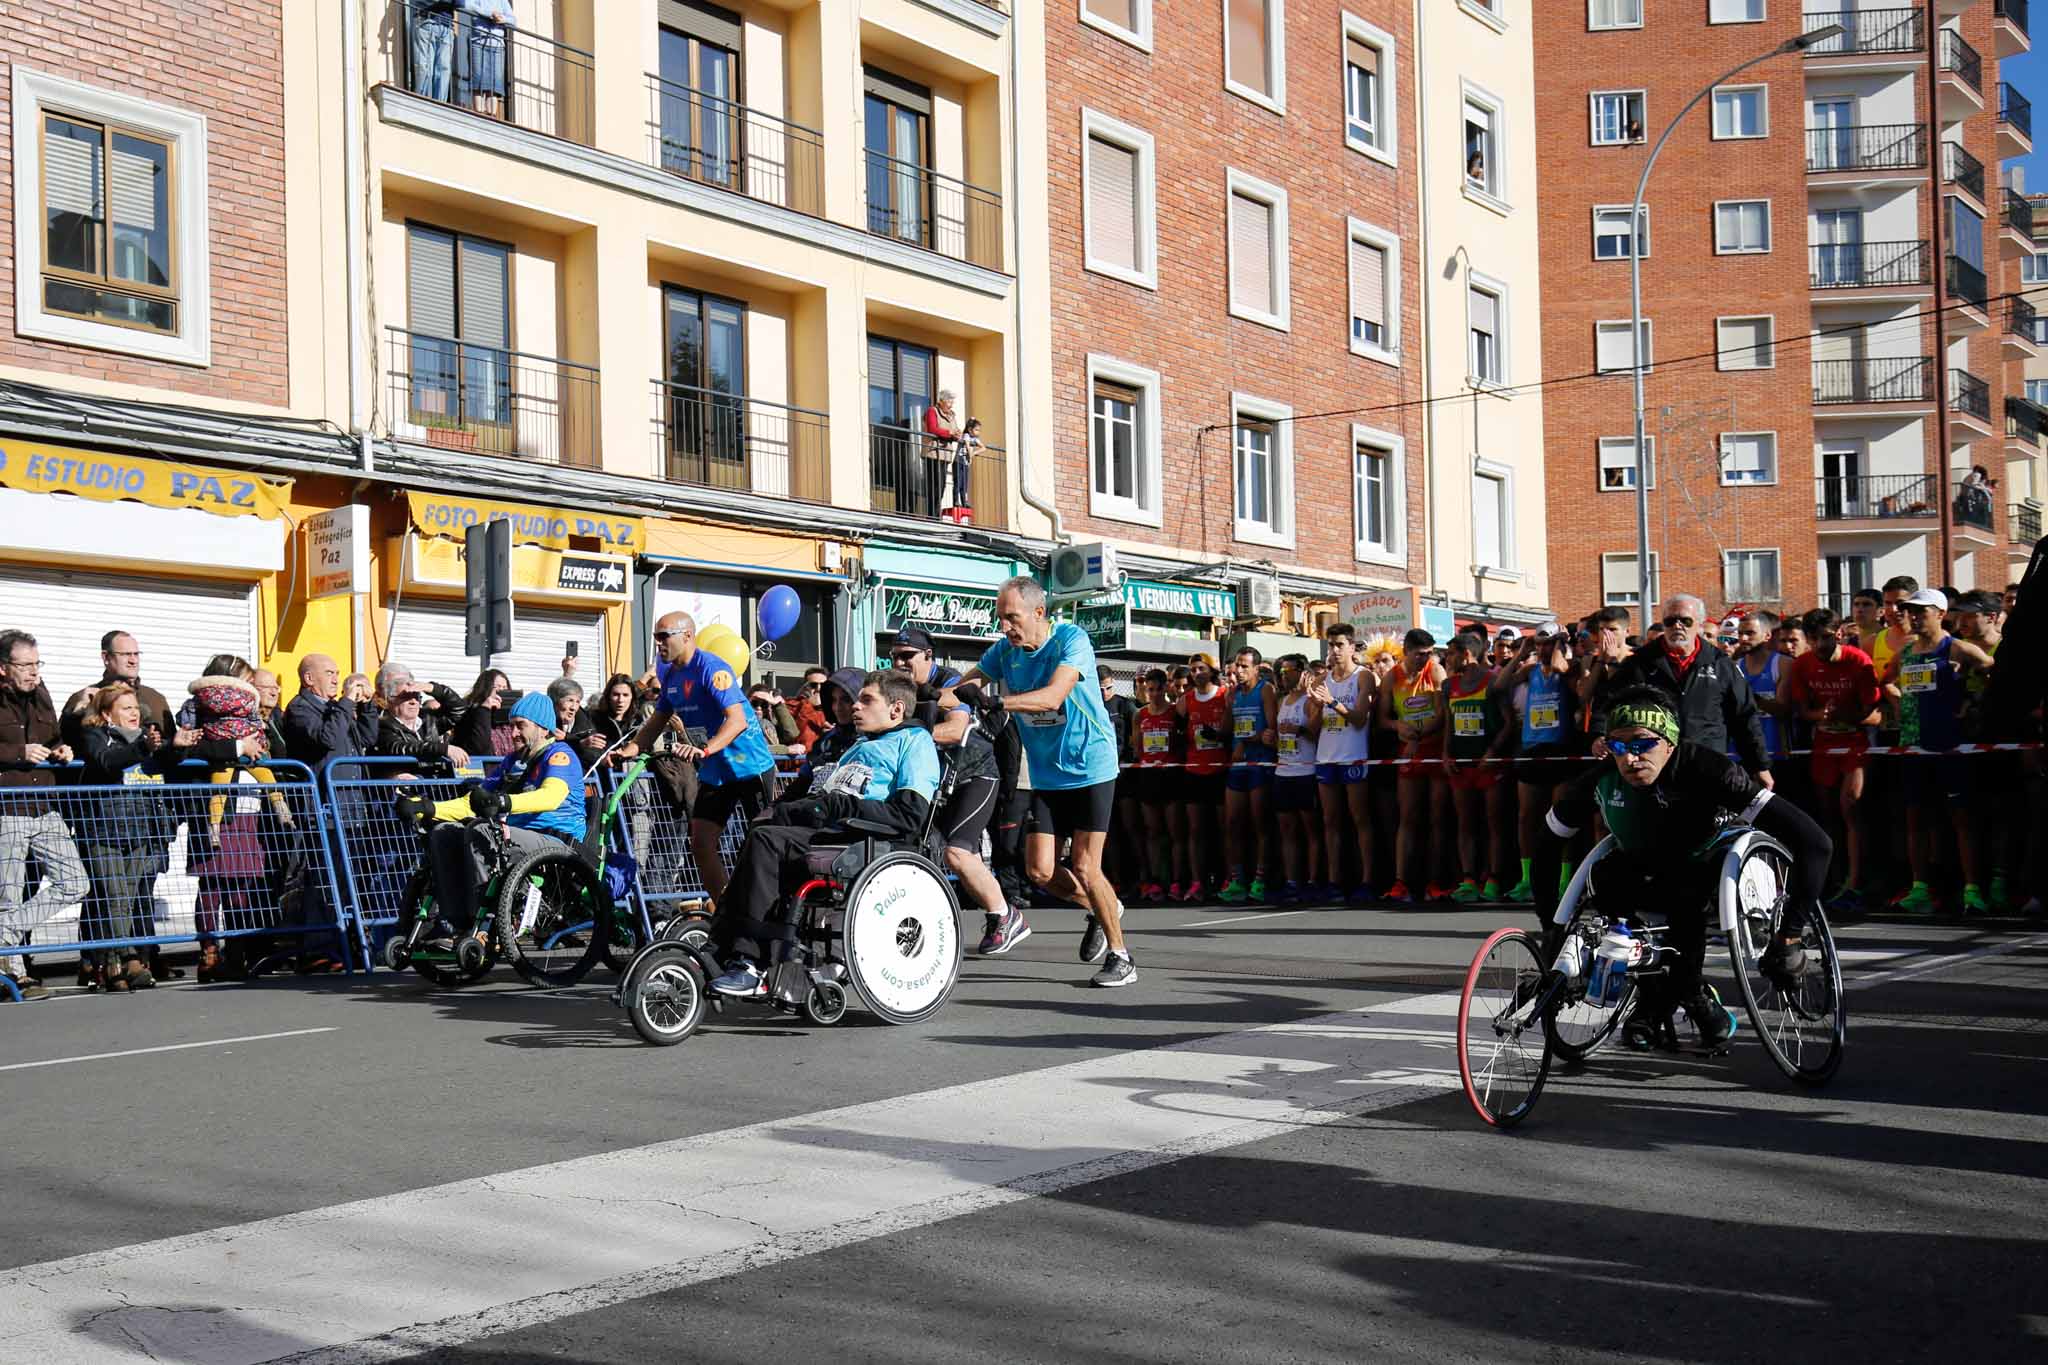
(726, 643)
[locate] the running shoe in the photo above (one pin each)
(1399, 894)
(1288, 894)
(1521, 893)
(1847, 901)
(2032, 907)
(1195, 893)
(2001, 893)
(741, 978)
(1784, 962)
(1176, 893)
(1918, 900)
(1094, 942)
(1714, 1020)
(1467, 892)
(1363, 894)
(1233, 892)
(1117, 970)
(1152, 893)
(1436, 892)
(1974, 902)
(1005, 931)
(1257, 890)
(1491, 891)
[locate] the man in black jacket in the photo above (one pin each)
(121, 661)
(1706, 688)
(320, 725)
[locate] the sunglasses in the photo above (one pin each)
(1635, 748)
(662, 636)
(906, 656)
(1673, 622)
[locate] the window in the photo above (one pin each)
(1618, 462)
(1611, 351)
(1262, 441)
(1379, 497)
(1617, 117)
(1129, 20)
(1966, 234)
(1740, 111)
(2037, 392)
(1742, 225)
(700, 68)
(1610, 232)
(1745, 344)
(1258, 251)
(1486, 324)
(1255, 51)
(1492, 13)
(1842, 577)
(1749, 457)
(1485, 147)
(110, 223)
(1493, 526)
(1735, 12)
(1619, 585)
(1119, 226)
(459, 320)
(2034, 268)
(1375, 269)
(703, 419)
(1123, 441)
(902, 383)
(1369, 103)
(1614, 14)
(1749, 575)
(896, 125)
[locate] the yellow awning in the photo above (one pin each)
(703, 543)
(438, 514)
(105, 477)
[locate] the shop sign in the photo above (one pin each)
(1382, 611)
(338, 552)
(942, 611)
(1105, 620)
(582, 573)
(124, 478)
(434, 514)
(536, 572)
(1180, 599)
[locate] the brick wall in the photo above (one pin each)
(219, 58)
(1184, 330)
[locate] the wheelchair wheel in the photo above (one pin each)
(553, 915)
(1804, 1027)
(692, 929)
(901, 938)
(664, 995)
(826, 1004)
(1576, 1030)
(1503, 1051)
(418, 905)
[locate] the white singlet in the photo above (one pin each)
(1343, 739)
(1297, 746)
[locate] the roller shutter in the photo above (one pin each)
(427, 638)
(179, 623)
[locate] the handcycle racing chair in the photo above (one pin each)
(877, 916)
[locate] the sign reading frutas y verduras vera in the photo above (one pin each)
(1382, 611)
(338, 552)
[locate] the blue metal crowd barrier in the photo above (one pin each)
(657, 834)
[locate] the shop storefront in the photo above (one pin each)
(1170, 621)
(952, 595)
(719, 574)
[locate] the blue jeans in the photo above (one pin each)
(486, 58)
(433, 54)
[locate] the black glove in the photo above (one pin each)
(486, 803)
(413, 808)
(972, 695)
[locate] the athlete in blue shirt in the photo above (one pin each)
(722, 735)
(1070, 746)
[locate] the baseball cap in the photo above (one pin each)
(847, 680)
(1927, 597)
(1509, 633)
(915, 637)
(1546, 630)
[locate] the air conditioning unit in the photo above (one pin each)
(1078, 569)
(1258, 599)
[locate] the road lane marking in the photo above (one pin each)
(1240, 919)
(1929, 965)
(167, 1047)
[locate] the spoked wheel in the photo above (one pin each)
(418, 905)
(664, 995)
(1804, 1025)
(1503, 1049)
(1577, 1030)
(553, 915)
(691, 929)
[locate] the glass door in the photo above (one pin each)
(1839, 235)
(1841, 483)
(705, 416)
(898, 142)
(900, 389)
(1831, 143)
(700, 134)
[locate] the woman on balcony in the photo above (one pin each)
(942, 442)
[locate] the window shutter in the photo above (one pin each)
(1486, 497)
(1369, 283)
(430, 283)
(1485, 313)
(71, 171)
(881, 365)
(918, 365)
(1113, 206)
(708, 23)
(139, 167)
(485, 321)
(1248, 44)
(1251, 254)
(1365, 58)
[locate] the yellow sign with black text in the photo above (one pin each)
(105, 477)
(437, 514)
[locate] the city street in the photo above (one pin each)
(1259, 1152)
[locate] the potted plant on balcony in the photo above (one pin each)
(449, 433)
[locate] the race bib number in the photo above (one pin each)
(1158, 742)
(1207, 740)
(1542, 716)
(1467, 724)
(821, 776)
(850, 779)
(1290, 745)
(1243, 727)
(1917, 677)
(1044, 720)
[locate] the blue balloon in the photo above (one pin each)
(780, 608)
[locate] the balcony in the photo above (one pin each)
(2015, 122)
(505, 74)
(2018, 213)
(1873, 497)
(2024, 422)
(1973, 510)
(1868, 151)
(2009, 26)
(708, 439)
(913, 476)
(907, 202)
(717, 142)
(1867, 33)
(1962, 170)
(2022, 326)
(488, 400)
(1870, 265)
(1962, 76)
(1969, 407)
(2022, 524)
(1893, 379)
(1966, 289)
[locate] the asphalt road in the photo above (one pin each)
(1256, 1153)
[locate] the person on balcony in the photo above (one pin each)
(488, 22)
(942, 443)
(433, 48)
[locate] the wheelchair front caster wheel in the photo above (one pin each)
(469, 957)
(826, 1003)
(398, 952)
(664, 995)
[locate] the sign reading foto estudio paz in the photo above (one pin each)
(338, 552)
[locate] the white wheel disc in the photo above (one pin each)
(902, 938)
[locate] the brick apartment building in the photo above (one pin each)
(1808, 422)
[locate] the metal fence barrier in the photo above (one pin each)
(657, 834)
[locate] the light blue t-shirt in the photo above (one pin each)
(903, 759)
(697, 693)
(1074, 746)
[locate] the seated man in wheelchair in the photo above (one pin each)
(1665, 800)
(886, 781)
(535, 795)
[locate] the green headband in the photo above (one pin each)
(1658, 720)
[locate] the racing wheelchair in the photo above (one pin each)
(1519, 1012)
(877, 919)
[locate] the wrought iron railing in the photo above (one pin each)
(1859, 497)
(1969, 395)
(2024, 421)
(1965, 282)
(710, 439)
(1856, 265)
(915, 204)
(461, 396)
(1867, 31)
(1972, 505)
(2014, 11)
(1959, 58)
(1867, 147)
(1962, 170)
(2023, 523)
(913, 475)
(1893, 379)
(2016, 109)
(720, 142)
(2019, 211)
(497, 71)
(2022, 319)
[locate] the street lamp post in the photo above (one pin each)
(1635, 289)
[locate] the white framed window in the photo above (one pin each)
(1611, 351)
(2034, 267)
(1492, 13)
(110, 224)
(1618, 580)
(1614, 14)
(1258, 251)
(1485, 147)
(1742, 226)
(1375, 271)
(1735, 11)
(1255, 51)
(1262, 461)
(1749, 576)
(1742, 111)
(1127, 20)
(1745, 343)
(1123, 441)
(1618, 463)
(1610, 232)
(1119, 218)
(1371, 105)
(1486, 331)
(1379, 502)
(1749, 457)
(2037, 392)
(1493, 519)
(1617, 117)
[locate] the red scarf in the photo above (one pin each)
(1685, 663)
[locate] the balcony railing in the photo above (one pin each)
(1867, 147)
(1896, 379)
(2023, 523)
(1969, 395)
(1965, 282)
(2024, 421)
(723, 440)
(1860, 265)
(1972, 506)
(2013, 10)
(914, 476)
(2019, 211)
(1867, 31)
(915, 204)
(2022, 319)
(1858, 497)
(461, 396)
(719, 142)
(498, 72)
(1960, 59)
(1961, 169)
(2016, 110)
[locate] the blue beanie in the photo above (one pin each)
(536, 707)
